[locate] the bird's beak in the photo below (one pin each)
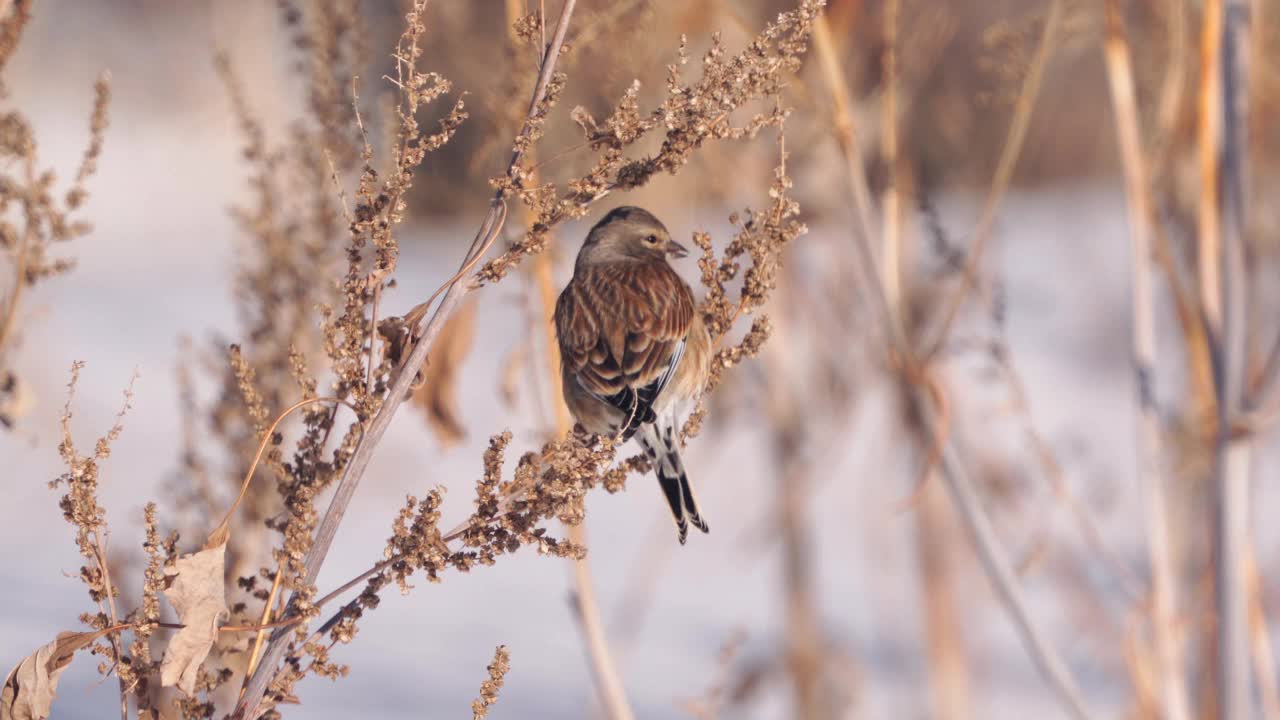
(676, 250)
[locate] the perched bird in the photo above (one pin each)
(633, 350)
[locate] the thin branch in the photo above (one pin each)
(22, 257)
(1174, 699)
(608, 680)
(1264, 663)
(9, 320)
(1160, 159)
(996, 562)
(890, 205)
(250, 705)
(1264, 381)
(604, 669)
(266, 617)
(100, 555)
(221, 533)
(1209, 107)
(949, 672)
(1223, 164)
(1004, 170)
(1170, 107)
(1123, 575)
(603, 666)
(994, 558)
(842, 121)
(948, 678)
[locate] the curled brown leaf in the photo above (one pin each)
(199, 596)
(29, 688)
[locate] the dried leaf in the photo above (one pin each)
(199, 595)
(28, 691)
(438, 396)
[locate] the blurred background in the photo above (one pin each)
(838, 580)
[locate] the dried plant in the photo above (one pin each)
(80, 508)
(283, 412)
(294, 231)
(489, 688)
(35, 216)
(551, 483)
(690, 116)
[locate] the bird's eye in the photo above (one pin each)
(652, 239)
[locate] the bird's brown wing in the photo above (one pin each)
(620, 326)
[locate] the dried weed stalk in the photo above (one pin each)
(691, 115)
(293, 229)
(33, 218)
(359, 374)
(81, 509)
(16, 16)
(552, 482)
(489, 688)
(296, 229)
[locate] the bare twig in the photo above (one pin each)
(890, 208)
(1128, 582)
(266, 617)
(1169, 108)
(1174, 700)
(792, 466)
(943, 622)
(996, 562)
(842, 120)
(1264, 663)
(1209, 108)
(994, 558)
(604, 668)
(1004, 170)
(1160, 162)
(100, 555)
(15, 293)
(221, 531)
(21, 258)
(1264, 380)
(1223, 151)
(947, 676)
(608, 681)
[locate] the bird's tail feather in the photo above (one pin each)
(665, 455)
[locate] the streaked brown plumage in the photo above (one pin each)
(633, 350)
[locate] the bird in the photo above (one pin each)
(634, 350)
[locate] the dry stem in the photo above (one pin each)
(1223, 151)
(1004, 170)
(1174, 699)
(604, 668)
(354, 471)
(608, 681)
(994, 558)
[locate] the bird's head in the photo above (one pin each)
(628, 234)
